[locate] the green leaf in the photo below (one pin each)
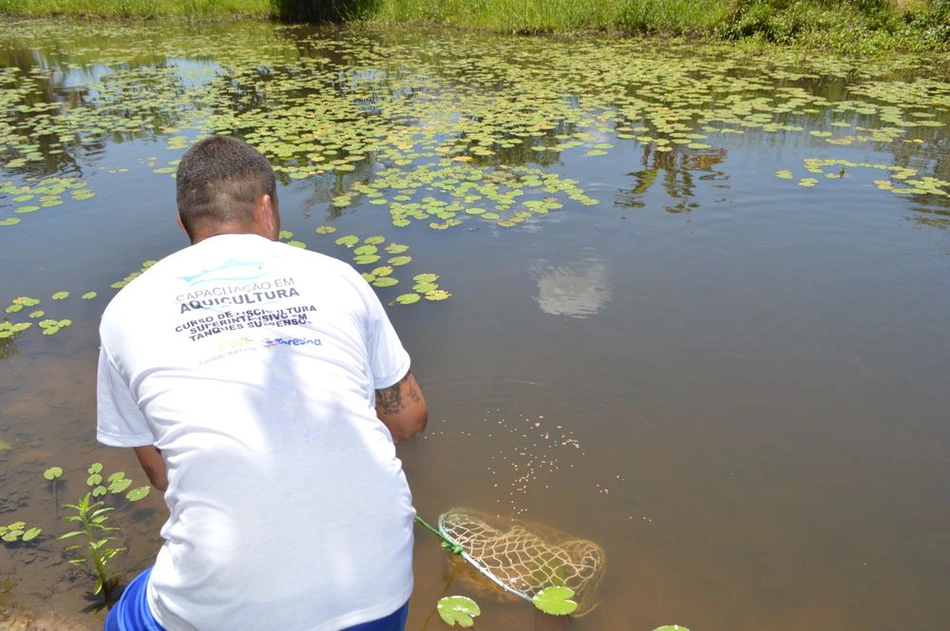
(348, 241)
(31, 534)
(385, 281)
(555, 600)
(52, 473)
(437, 294)
(458, 609)
(374, 240)
(671, 627)
(408, 299)
(99, 491)
(136, 494)
(4, 446)
(117, 486)
(93, 479)
(95, 467)
(326, 230)
(285, 234)
(365, 250)
(60, 295)
(118, 475)
(400, 260)
(425, 278)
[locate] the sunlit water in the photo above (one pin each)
(731, 378)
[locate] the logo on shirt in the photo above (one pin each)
(292, 341)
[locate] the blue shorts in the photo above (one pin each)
(131, 613)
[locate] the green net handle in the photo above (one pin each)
(447, 543)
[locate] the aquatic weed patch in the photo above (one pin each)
(425, 129)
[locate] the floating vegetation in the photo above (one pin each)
(445, 135)
(460, 610)
(370, 250)
(18, 531)
(119, 284)
(31, 194)
(900, 180)
(48, 326)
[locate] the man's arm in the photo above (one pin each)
(154, 466)
(402, 408)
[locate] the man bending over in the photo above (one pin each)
(262, 387)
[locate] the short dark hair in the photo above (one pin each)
(218, 181)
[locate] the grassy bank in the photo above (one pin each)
(859, 26)
(140, 9)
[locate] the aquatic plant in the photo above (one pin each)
(460, 610)
(17, 531)
(92, 517)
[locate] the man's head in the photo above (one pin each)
(224, 185)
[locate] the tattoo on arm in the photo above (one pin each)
(389, 400)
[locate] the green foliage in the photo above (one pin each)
(18, 531)
(555, 601)
(92, 518)
(459, 610)
(52, 473)
(851, 26)
(142, 9)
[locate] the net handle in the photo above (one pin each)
(458, 549)
(447, 543)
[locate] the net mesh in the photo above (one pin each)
(524, 557)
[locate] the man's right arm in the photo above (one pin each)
(154, 466)
(402, 408)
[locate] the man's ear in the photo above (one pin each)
(181, 225)
(266, 218)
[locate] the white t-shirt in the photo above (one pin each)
(252, 366)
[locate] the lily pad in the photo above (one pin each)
(348, 241)
(137, 494)
(407, 299)
(385, 281)
(459, 610)
(52, 473)
(555, 601)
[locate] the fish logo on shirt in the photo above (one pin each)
(232, 270)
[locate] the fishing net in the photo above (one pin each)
(523, 557)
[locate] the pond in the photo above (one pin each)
(687, 303)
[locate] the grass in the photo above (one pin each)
(141, 9)
(854, 26)
(562, 16)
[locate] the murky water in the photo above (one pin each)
(697, 314)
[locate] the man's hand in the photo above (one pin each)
(402, 408)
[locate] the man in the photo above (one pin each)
(262, 387)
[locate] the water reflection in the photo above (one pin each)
(577, 290)
(674, 170)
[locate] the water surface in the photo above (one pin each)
(697, 307)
